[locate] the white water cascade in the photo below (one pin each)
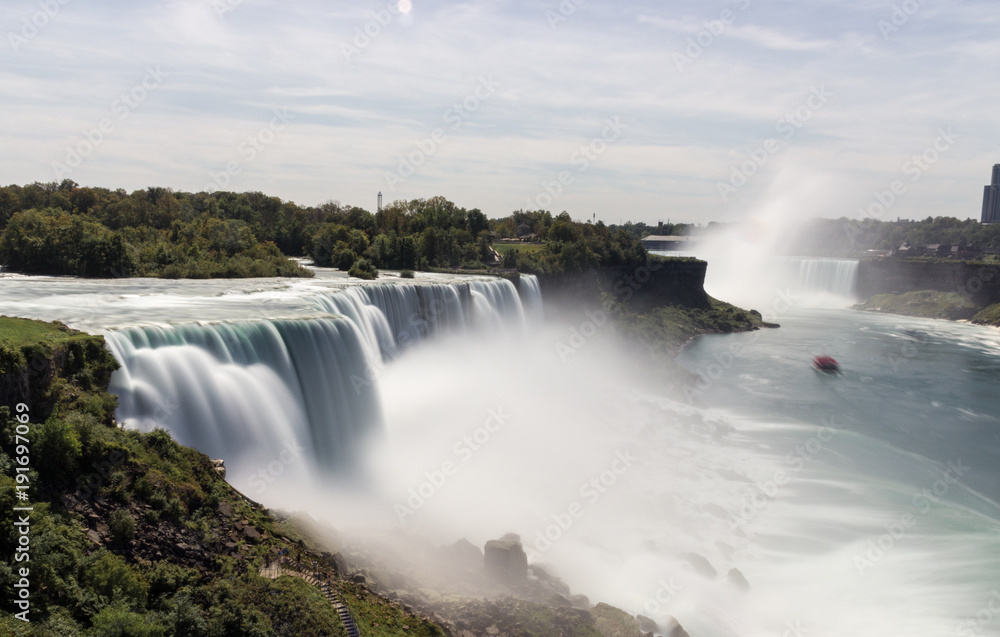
(801, 281)
(244, 389)
(836, 277)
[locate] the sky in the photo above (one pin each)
(643, 111)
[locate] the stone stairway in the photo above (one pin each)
(275, 570)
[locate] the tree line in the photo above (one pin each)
(67, 229)
(848, 237)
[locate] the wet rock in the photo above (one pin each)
(647, 625)
(581, 602)
(466, 554)
(505, 560)
(700, 565)
(614, 622)
(673, 628)
(736, 578)
(560, 602)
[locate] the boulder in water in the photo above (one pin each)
(700, 565)
(736, 578)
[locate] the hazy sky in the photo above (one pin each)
(631, 110)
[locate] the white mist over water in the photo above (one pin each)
(747, 260)
(699, 481)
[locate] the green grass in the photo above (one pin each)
(377, 616)
(19, 333)
(988, 316)
(923, 303)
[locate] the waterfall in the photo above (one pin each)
(229, 388)
(830, 276)
(306, 387)
(531, 296)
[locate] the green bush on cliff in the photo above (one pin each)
(666, 328)
(988, 316)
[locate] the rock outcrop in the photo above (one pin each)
(505, 560)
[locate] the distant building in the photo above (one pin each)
(665, 242)
(936, 249)
(907, 250)
(991, 198)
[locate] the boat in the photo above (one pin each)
(826, 364)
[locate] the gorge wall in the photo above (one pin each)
(978, 282)
(659, 282)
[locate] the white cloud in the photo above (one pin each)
(355, 118)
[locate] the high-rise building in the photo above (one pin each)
(991, 198)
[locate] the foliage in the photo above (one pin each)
(362, 269)
(95, 232)
(666, 328)
(51, 367)
(988, 316)
(843, 236)
(67, 230)
(373, 614)
(122, 526)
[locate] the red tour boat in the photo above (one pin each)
(826, 364)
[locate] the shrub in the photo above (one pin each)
(118, 621)
(122, 526)
(362, 269)
(110, 576)
(57, 448)
(346, 259)
(406, 274)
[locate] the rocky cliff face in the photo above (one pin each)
(977, 282)
(659, 282)
(42, 364)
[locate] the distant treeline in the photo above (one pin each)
(845, 236)
(96, 232)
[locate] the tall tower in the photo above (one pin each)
(991, 198)
(380, 201)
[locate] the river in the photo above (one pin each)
(859, 504)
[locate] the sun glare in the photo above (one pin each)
(405, 6)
